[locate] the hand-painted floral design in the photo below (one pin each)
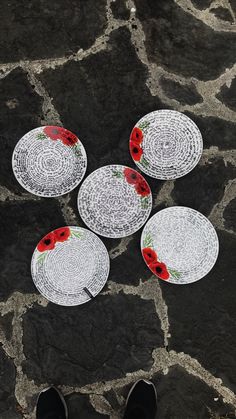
(53, 132)
(149, 255)
(135, 150)
(62, 234)
(136, 139)
(131, 176)
(160, 270)
(59, 133)
(140, 185)
(142, 188)
(68, 138)
(47, 242)
(157, 267)
(136, 135)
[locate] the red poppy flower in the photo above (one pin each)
(62, 234)
(160, 270)
(142, 188)
(136, 135)
(53, 132)
(135, 150)
(47, 243)
(131, 176)
(149, 255)
(68, 138)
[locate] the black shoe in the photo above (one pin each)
(51, 405)
(142, 401)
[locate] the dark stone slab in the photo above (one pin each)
(181, 395)
(102, 340)
(202, 315)
(130, 268)
(186, 94)
(79, 406)
(201, 4)
(222, 13)
(101, 98)
(215, 131)
(6, 324)
(230, 215)
(227, 95)
(120, 10)
(49, 29)
(182, 44)
(22, 225)
(9, 409)
(202, 188)
(190, 397)
(21, 111)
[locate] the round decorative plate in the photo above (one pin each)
(70, 266)
(166, 144)
(115, 201)
(49, 161)
(179, 245)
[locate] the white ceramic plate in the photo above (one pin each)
(114, 201)
(49, 161)
(70, 266)
(179, 245)
(166, 144)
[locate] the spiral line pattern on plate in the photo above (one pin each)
(185, 240)
(73, 265)
(172, 144)
(109, 205)
(47, 167)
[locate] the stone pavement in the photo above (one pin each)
(96, 67)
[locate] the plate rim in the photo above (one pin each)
(111, 236)
(212, 226)
(42, 195)
(144, 169)
(106, 276)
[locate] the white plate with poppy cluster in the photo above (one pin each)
(166, 144)
(179, 245)
(115, 201)
(49, 161)
(70, 266)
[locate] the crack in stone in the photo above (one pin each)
(229, 156)
(120, 248)
(18, 304)
(207, 17)
(164, 196)
(100, 404)
(163, 360)
(6, 195)
(26, 388)
(148, 290)
(216, 215)
(51, 116)
(37, 66)
(67, 212)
